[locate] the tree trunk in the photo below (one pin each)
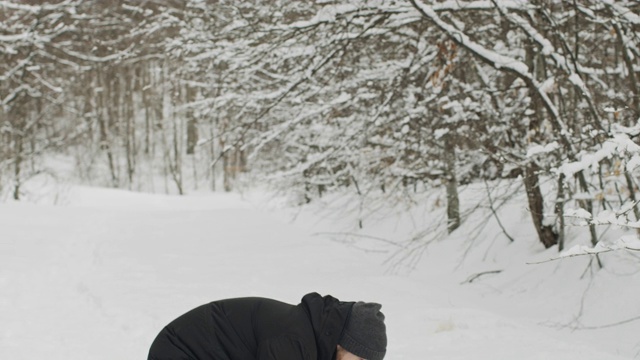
(226, 169)
(212, 152)
(130, 132)
(102, 124)
(19, 142)
(560, 212)
(633, 84)
(177, 163)
(192, 135)
(192, 121)
(176, 168)
(453, 202)
(536, 206)
(146, 88)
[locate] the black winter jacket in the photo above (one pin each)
(255, 329)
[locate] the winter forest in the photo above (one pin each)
(384, 98)
(507, 120)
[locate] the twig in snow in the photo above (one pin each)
(383, 240)
(622, 322)
(473, 277)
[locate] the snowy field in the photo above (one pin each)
(99, 276)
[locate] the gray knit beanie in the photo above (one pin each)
(365, 334)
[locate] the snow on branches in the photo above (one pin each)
(625, 243)
(619, 145)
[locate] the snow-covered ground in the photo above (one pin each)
(98, 276)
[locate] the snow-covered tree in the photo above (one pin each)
(383, 98)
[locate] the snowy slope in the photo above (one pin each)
(99, 277)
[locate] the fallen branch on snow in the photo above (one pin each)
(473, 277)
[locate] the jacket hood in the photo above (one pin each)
(328, 317)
